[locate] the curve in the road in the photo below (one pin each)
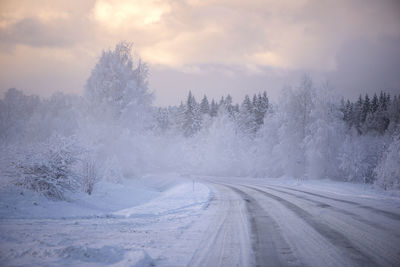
(336, 238)
(386, 213)
(336, 209)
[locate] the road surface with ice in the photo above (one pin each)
(209, 222)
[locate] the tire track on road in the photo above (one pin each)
(226, 241)
(333, 208)
(269, 245)
(386, 213)
(336, 238)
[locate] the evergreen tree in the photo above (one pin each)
(348, 113)
(261, 104)
(162, 119)
(192, 119)
(213, 109)
(221, 101)
(227, 105)
(365, 108)
(394, 115)
(374, 103)
(382, 101)
(357, 114)
(246, 120)
(205, 106)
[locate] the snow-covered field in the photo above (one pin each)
(138, 223)
(175, 220)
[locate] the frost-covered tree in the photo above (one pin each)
(295, 115)
(261, 105)
(359, 155)
(365, 110)
(162, 120)
(16, 110)
(228, 105)
(117, 87)
(58, 114)
(246, 120)
(213, 108)
(204, 106)
(192, 119)
(394, 115)
(388, 169)
(374, 103)
(326, 131)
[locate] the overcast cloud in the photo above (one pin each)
(213, 47)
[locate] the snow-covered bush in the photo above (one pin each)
(388, 170)
(89, 175)
(47, 168)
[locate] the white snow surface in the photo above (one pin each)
(187, 220)
(120, 224)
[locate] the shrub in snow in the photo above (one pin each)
(388, 170)
(47, 167)
(89, 175)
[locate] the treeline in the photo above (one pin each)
(68, 142)
(191, 116)
(372, 115)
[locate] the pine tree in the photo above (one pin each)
(213, 109)
(221, 101)
(261, 105)
(246, 120)
(374, 103)
(227, 105)
(365, 108)
(348, 113)
(162, 119)
(205, 106)
(192, 119)
(382, 101)
(357, 114)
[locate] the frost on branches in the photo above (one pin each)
(308, 133)
(48, 168)
(117, 87)
(388, 170)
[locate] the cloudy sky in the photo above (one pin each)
(207, 46)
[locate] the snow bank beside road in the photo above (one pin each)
(170, 191)
(102, 229)
(107, 198)
(180, 198)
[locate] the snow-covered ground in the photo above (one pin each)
(136, 223)
(183, 220)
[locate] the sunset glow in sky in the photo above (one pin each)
(213, 47)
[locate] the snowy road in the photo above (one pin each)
(293, 227)
(218, 222)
